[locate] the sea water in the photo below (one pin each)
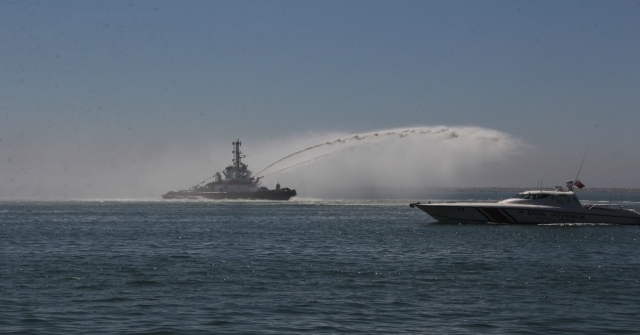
(307, 266)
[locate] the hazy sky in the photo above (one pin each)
(128, 98)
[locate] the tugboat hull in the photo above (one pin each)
(282, 194)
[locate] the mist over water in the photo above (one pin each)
(439, 132)
(327, 165)
(362, 165)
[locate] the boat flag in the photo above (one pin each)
(578, 183)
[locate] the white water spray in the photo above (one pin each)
(439, 132)
(294, 165)
(377, 164)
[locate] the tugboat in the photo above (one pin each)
(237, 183)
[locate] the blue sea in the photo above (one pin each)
(308, 266)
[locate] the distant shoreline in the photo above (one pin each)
(505, 189)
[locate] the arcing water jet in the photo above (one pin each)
(447, 133)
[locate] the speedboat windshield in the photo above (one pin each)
(530, 196)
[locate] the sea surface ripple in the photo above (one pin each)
(320, 267)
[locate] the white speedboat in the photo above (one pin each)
(558, 206)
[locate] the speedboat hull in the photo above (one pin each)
(502, 213)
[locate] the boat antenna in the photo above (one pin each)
(583, 158)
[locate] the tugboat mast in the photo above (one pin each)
(237, 144)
